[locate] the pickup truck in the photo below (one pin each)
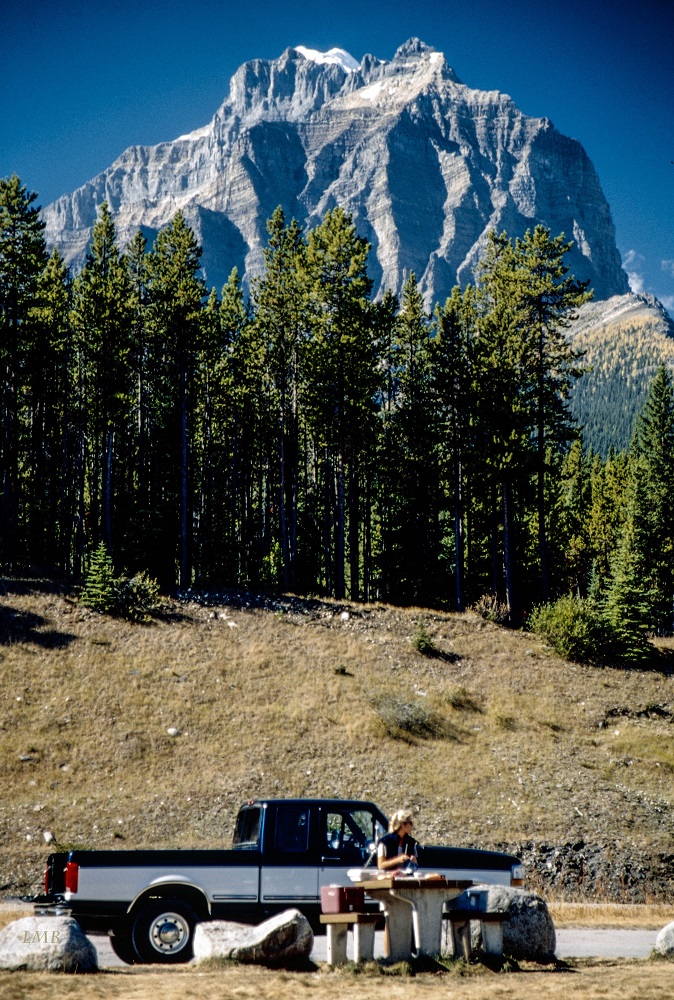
(283, 852)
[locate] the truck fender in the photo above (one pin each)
(174, 887)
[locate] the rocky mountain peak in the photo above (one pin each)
(413, 47)
(425, 165)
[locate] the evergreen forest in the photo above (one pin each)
(305, 438)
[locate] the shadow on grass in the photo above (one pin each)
(660, 661)
(22, 626)
(167, 615)
(37, 585)
(440, 654)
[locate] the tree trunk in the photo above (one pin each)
(283, 528)
(542, 529)
(458, 536)
(108, 446)
(354, 534)
(508, 555)
(185, 576)
(340, 521)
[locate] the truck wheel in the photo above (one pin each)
(163, 931)
(122, 945)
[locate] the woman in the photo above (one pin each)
(398, 847)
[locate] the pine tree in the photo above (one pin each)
(628, 602)
(22, 259)
(547, 296)
(414, 563)
(606, 516)
(137, 446)
(244, 383)
(100, 591)
(528, 295)
(103, 322)
(50, 492)
(340, 383)
(453, 401)
(572, 548)
(383, 478)
(175, 324)
(280, 310)
(502, 424)
(654, 444)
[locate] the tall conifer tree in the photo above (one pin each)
(103, 324)
(341, 380)
(22, 258)
(175, 316)
(280, 309)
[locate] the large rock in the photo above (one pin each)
(664, 942)
(425, 164)
(46, 944)
(529, 932)
(284, 939)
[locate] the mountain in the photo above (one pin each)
(625, 339)
(425, 164)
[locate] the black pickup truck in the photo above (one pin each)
(283, 852)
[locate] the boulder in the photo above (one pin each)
(529, 932)
(46, 944)
(285, 939)
(664, 942)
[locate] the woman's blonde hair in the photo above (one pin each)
(398, 819)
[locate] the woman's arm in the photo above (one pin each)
(384, 863)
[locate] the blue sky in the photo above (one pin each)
(81, 81)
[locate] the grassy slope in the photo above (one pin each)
(534, 750)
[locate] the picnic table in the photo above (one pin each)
(413, 908)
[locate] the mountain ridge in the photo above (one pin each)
(425, 164)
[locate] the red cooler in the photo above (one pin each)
(342, 899)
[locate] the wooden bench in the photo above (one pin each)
(492, 930)
(338, 925)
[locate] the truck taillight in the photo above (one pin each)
(46, 881)
(72, 876)
(517, 875)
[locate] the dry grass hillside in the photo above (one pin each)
(493, 740)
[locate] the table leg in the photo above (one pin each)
(398, 913)
(363, 943)
(461, 940)
(337, 936)
(492, 938)
(426, 919)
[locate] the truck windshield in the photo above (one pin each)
(247, 830)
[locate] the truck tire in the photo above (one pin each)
(162, 932)
(122, 945)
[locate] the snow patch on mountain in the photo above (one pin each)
(199, 133)
(369, 93)
(339, 57)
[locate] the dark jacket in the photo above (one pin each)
(393, 847)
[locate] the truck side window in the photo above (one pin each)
(247, 831)
(292, 829)
(345, 837)
(334, 831)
